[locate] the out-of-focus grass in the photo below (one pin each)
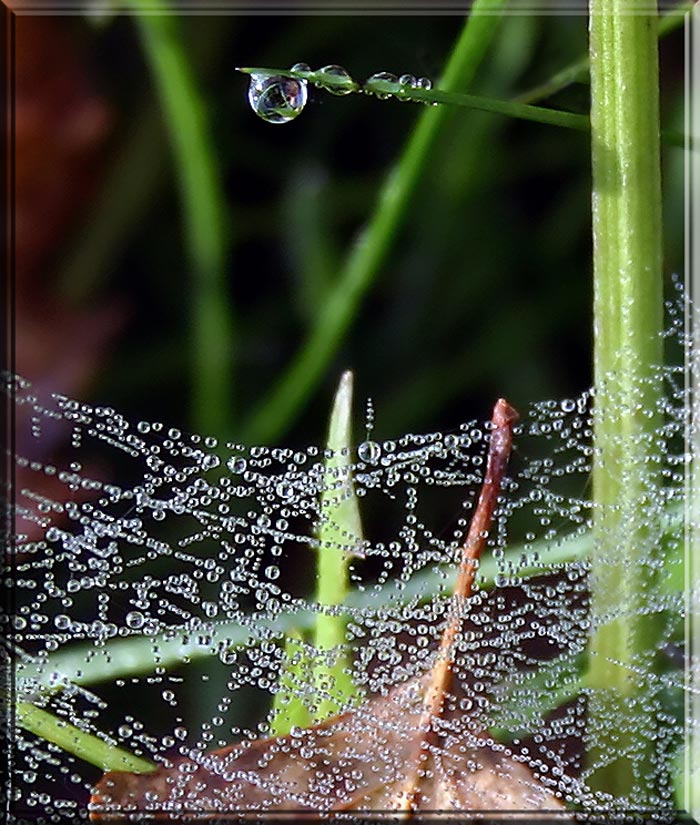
(274, 414)
(204, 215)
(578, 70)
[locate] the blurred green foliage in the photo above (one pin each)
(487, 288)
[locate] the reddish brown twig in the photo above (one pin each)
(504, 416)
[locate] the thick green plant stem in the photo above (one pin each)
(277, 410)
(628, 319)
(204, 212)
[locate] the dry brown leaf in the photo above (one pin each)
(402, 752)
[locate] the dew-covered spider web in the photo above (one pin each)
(159, 575)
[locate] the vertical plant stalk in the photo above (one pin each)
(339, 533)
(339, 536)
(628, 319)
(204, 212)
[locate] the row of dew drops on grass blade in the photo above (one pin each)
(157, 570)
(280, 98)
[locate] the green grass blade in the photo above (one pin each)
(519, 111)
(509, 108)
(204, 214)
(275, 413)
(85, 746)
(289, 709)
(339, 535)
(308, 237)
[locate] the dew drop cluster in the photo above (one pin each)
(280, 98)
(156, 572)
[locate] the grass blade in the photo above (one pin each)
(84, 745)
(289, 709)
(339, 535)
(204, 213)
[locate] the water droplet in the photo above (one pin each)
(237, 464)
(383, 78)
(335, 79)
(135, 619)
(272, 572)
(277, 99)
(301, 67)
(408, 81)
(369, 452)
(210, 461)
(285, 490)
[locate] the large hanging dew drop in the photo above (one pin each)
(277, 99)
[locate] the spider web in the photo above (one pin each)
(155, 573)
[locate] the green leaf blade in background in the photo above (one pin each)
(84, 745)
(205, 215)
(339, 537)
